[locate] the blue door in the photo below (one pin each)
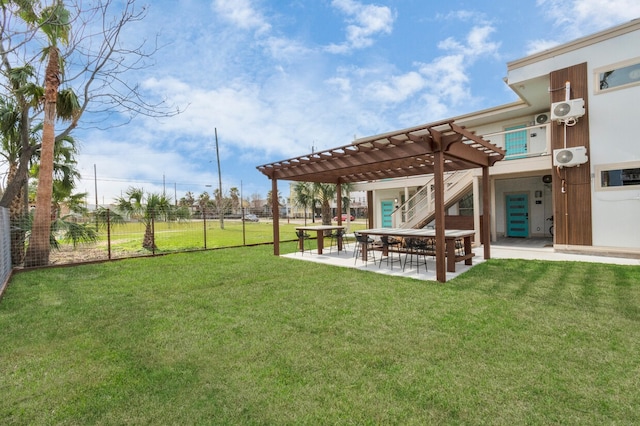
(517, 215)
(515, 143)
(387, 209)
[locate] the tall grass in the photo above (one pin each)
(238, 336)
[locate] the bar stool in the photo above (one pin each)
(390, 246)
(338, 235)
(363, 243)
(302, 237)
(416, 247)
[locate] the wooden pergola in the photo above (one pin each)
(429, 149)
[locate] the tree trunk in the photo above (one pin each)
(38, 250)
(326, 213)
(18, 217)
(148, 241)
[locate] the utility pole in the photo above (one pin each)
(220, 212)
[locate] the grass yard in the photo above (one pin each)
(239, 336)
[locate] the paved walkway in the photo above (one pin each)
(533, 249)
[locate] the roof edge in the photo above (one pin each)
(588, 40)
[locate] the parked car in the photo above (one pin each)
(344, 218)
(250, 218)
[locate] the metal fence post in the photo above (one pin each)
(153, 235)
(204, 225)
(108, 233)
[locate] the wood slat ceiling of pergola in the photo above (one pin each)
(396, 154)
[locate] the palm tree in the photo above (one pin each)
(55, 24)
(234, 193)
(11, 142)
(203, 202)
(325, 192)
(303, 197)
(188, 200)
(270, 202)
(146, 208)
(14, 149)
(65, 173)
(346, 189)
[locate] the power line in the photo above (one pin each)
(158, 182)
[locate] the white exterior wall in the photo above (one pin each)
(613, 130)
(614, 138)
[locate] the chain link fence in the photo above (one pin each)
(5, 247)
(109, 236)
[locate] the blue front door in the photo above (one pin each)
(387, 209)
(517, 215)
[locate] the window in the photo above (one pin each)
(617, 76)
(618, 176)
(465, 205)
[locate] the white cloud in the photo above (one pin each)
(365, 22)
(397, 88)
(447, 79)
(477, 44)
(442, 84)
(285, 49)
(242, 14)
(572, 19)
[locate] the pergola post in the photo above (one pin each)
(438, 179)
(370, 209)
(339, 202)
(275, 211)
(486, 212)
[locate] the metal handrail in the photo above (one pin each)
(422, 203)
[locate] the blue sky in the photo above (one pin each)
(280, 78)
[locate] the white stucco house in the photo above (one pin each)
(572, 153)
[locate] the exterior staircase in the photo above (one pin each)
(419, 210)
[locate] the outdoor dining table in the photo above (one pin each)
(320, 229)
(450, 236)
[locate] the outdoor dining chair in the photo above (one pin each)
(390, 246)
(302, 237)
(417, 248)
(364, 243)
(339, 235)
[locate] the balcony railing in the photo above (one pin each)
(536, 141)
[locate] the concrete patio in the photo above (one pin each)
(506, 248)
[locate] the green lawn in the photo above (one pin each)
(239, 336)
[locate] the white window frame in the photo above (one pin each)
(615, 166)
(613, 67)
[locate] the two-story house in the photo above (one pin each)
(572, 153)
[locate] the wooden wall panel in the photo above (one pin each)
(572, 185)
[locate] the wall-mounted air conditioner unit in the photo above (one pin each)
(567, 110)
(570, 157)
(543, 118)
